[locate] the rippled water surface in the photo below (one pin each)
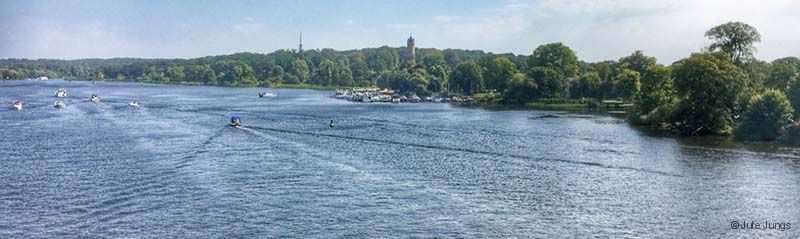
(173, 168)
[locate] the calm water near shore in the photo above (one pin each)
(173, 168)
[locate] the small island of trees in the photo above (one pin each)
(723, 90)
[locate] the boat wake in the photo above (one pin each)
(468, 151)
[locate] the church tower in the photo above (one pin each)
(412, 52)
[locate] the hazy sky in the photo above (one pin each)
(595, 29)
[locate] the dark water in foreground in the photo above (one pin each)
(174, 169)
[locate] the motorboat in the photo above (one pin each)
(414, 98)
(42, 78)
(331, 124)
(59, 104)
(267, 95)
(17, 105)
(61, 93)
(236, 121)
(95, 98)
(134, 104)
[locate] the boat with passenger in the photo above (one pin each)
(267, 95)
(59, 104)
(61, 93)
(134, 104)
(17, 105)
(95, 98)
(236, 121)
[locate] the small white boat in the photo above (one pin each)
(134, 104)
(414, 98)
(95, 98)
(59, 104)
(17, 105)
(267, 94)
(61, 93)
(42, 78)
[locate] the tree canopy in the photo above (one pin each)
(736, 39)
(556, 56)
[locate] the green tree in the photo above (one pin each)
(794, 97)
(360, 69)
(709, 86)
(467, 78)
(766, 115)
(203, 74)
(736, 39)
(637, 62)
(656, 91)
(275, 76)
(781, 76)
(300, 69)
(627, 84)
(757, 74)
(588, 86)
(550, 82)
(175, 73)
(521, 89)
(327, 71)
(452, 58)
(498, 73)
(556, 56)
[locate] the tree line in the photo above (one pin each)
(721, 90)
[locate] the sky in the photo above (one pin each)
(596, 29)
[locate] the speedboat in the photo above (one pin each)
(61, 93)
(95, 98)
(414, 98)
(59, 104)
(17, 105)
(267, 94)
(236, 121)
(134, 104)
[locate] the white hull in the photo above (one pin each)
(61, 93)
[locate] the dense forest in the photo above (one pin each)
(722, 90)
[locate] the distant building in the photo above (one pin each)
(412, 52)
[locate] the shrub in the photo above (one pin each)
(766, 116)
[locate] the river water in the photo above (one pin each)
(173, 168)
